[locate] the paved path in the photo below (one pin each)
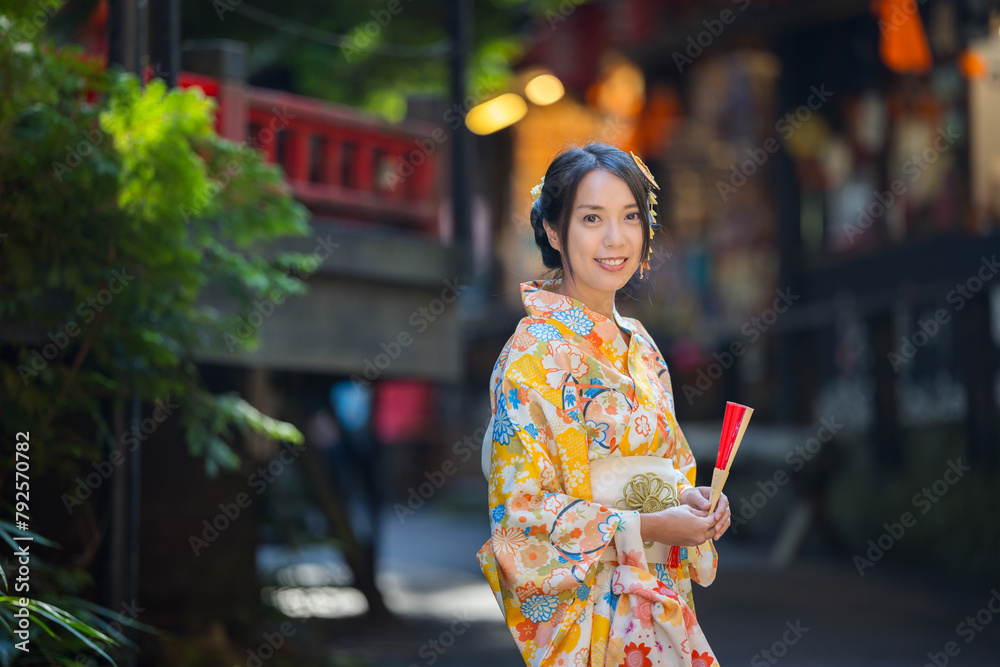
(891, 616)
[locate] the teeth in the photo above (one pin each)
(611, 262)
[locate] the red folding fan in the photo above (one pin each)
(734, 424)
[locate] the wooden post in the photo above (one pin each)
(226, 60)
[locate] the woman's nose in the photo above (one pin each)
(613, 234)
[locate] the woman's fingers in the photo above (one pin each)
(697, 498)
(722, 524)
(722, 505)
(699, 512)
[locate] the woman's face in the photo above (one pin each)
(604, 235)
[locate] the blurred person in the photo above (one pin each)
(354, 459)
(597, 528)
(404, 428)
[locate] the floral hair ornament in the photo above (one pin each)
(536, 191)
(651, 199)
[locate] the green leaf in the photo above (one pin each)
(80, 630)
(8, 529)
(248, 416)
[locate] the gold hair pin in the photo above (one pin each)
(650, 201)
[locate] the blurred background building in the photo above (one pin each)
(830, 177)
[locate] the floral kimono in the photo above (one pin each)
(567, 390)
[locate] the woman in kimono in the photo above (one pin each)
(597, 528)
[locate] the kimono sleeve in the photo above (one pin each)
(545, 540)
(700, 562)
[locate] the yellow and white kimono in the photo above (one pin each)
(571, 574)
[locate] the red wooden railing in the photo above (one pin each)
(339, 162)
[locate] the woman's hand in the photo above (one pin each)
(682, 526)
(697, 497)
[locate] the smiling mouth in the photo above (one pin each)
(613, 262)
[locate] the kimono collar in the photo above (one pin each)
(540, 299)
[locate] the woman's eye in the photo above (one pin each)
(587, 218)
(633, 215)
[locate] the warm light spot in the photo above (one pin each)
(544, 89)
(496, 114)
(620, 90)
(973, 65)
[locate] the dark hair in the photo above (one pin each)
(562, 179)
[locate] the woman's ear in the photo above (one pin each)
(553, 236)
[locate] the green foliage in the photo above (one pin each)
(119, 208)
(66, 630)
(360, 72)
